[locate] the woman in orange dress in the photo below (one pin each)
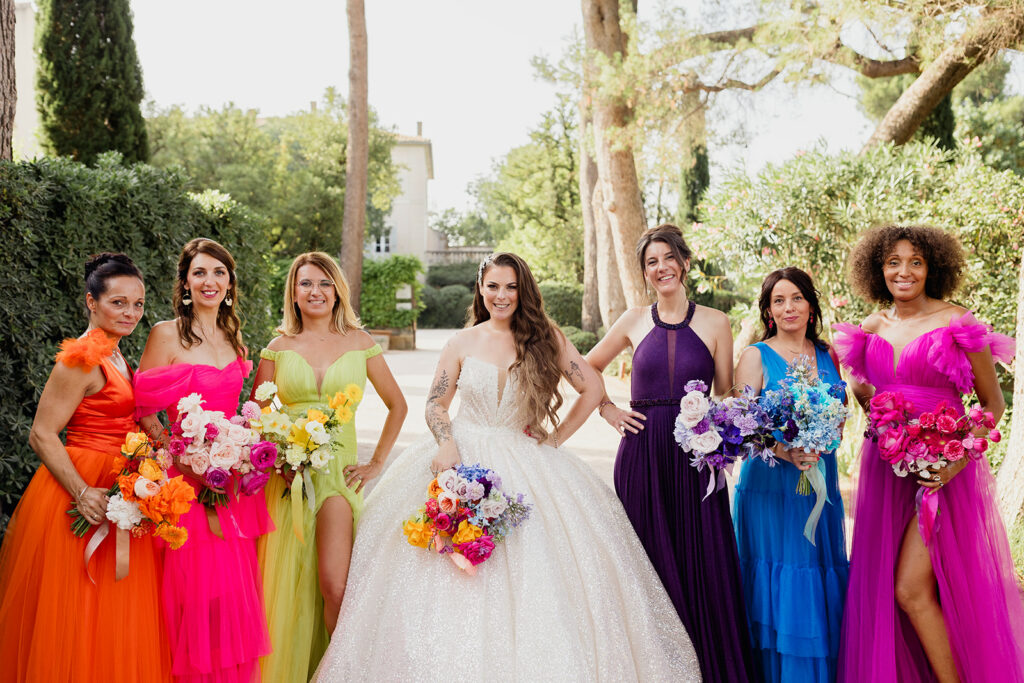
(61, 621)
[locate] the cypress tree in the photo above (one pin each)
(89, 80)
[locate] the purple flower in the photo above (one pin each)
(702, 426)
(790, 431)
(695, 385)
(216, 478)
(252, 482)
(263, 454)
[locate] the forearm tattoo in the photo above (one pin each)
(575, 375)
(438, 421)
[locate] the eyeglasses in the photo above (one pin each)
(308, 285)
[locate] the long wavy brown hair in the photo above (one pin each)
(537, 341)
(227, 317)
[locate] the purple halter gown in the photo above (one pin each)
(690, 542)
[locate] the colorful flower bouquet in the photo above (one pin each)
(718, 433)
(143, 500)
(465, 515)
(929, 442)
(216, 447)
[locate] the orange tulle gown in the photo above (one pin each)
(56, 625)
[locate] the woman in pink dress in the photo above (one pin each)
(212, 596)
(948, 609)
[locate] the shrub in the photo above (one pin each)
(54, 213)
(563, 302)
(382, 279)
(445, 307)
(453, 274)
(582, 340)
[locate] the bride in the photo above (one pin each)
(570, 595)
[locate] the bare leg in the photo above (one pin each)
(917, 596)
(334, 549)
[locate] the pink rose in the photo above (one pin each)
(479, 550)
(212, 432)
(144, 488)
(432, 508)
(176, 447)
(946, 424)
(692, 408)
(916, 449)
(263, 454)
(954, 450)
(707, 442)
(239, 434)
(926, 420)
(883, 402)
(199, 462)
(443, 522)
(224, 454)
(980, 445)
(193, 425)
(253, 482)
(893, 443)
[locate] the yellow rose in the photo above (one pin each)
(467, 532)
(344, 414)
(315, 415)
(150, 470)
(354, 393)
(418, 533)
(136, 445)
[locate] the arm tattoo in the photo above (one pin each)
(575, 375)
(440, 388)
(438, 421)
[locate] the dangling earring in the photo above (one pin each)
(771, 323)
(186, 298)
(811, 321)
(227, 301)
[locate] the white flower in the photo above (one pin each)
(190, 403)
(276, 423)
(706, 442)
(295, 455)
(265, 391)
(193, 425)
(448, 480)
(317, 432)
(493, 505)
(238, 434)
(225, 454)
(144, 488)
(122, 513)
(320, 458)
(693, 407)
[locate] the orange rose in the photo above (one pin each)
(136, 445)
(119, 465)
(315, 415)
(338, 400)
(127, 485)
(467, 532)
(448, 503)
(435, 489)
(150, 470)
(418, 533)
(174, 535)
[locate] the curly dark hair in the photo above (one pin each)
(941, 251)
(805, 284)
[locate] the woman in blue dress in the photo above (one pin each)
(794, 590)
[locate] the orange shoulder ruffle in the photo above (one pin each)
(87, 351)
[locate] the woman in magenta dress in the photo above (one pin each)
(212, 596)
(950, 609)
(689, 540)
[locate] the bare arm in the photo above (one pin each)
(749, 371)
(442, 391)
(722, 355)
(383, 381)
(265, 372)
(604, 352)
(584, 380)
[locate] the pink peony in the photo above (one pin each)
(946, 424)
(176, 447)
(479, 550)
(954, 450)
(144, 488)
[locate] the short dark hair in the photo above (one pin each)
(805, 284)
(941, 251)
(670, 235)
(99, 268)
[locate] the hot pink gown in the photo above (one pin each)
(970, 553)
(212, 595)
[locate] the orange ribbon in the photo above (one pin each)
(122, 550)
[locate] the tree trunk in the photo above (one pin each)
(8, 89)
(991, 33)
(609, 284)
(588, 180)
(616, 165)
(1010, 482)
(353, 231)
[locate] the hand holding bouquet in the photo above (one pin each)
(465, 515)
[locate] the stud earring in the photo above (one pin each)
(187, 298)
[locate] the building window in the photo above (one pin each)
(382, 245)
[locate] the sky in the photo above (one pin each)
(461, 67)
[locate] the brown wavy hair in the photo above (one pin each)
(805, 284)
(227, 317)
(537, 340)
(670, 235)
(941, 251)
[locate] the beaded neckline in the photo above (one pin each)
(673, 326)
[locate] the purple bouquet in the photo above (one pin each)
(718, 433)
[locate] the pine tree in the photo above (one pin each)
(89, 80)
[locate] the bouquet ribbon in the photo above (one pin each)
(816, 478)
(716, 482)
(296, 500)
(927, 513)
(122, 552)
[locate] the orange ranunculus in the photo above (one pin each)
(174, 535)
(127, 486)
(142, 528)
(173, 500)
(315, 415)
(338, 400)
(435, 489)
(150, 470)
(136, 445)
(418, 533)
(467, 532)
(119, 465)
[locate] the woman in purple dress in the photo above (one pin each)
(689, 540)
(948, 609)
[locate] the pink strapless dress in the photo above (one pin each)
(212, 595)
(970, 553)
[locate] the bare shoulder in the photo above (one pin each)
(874, 322)
(163, 331)
(461, 341)
(281, 342)
(749, 355)
(712, 317)
(362, 340)
(950, 311)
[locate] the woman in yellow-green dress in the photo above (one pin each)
(321, 351)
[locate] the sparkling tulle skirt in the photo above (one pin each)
(569, 596)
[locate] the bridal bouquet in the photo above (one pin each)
(718, 433)
(216, 447)
(929, 442)
(465, 515)
(143, 499)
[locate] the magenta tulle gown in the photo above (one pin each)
(212, 595)
(970, 553)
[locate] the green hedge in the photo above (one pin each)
(54, 213)
(381, 280)
(445, 307)
(581, 339)
(563, 302)
(453, 274)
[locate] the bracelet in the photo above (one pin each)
(603, 404)
(80, 493)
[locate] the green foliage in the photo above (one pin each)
(453, 274)
(89, 81)
(878, 95)
(996, 130)
(382, 279)
(463, 228)
(581, 339)
(445, 307)
(54, 213)
(563, 301)
(289, 169)
(694, 179)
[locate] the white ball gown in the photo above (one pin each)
(569, 596)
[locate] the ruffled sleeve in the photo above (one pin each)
(965, 334)
(158, 388)
(374, 350)
(851, 343)
(245, 366)
(270, 355)
(87, 351)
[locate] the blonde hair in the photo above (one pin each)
(343, 317)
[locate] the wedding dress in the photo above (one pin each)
(569, 595)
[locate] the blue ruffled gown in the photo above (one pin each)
(794, 590)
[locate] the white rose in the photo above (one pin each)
(448, 480)
(320, 458)
(237, 433)
(493, 506)
(224, 454)
(706, 442)
(122, 513)
(190, 403)
(692, 408)
(266, 391)
(193, 425)
(317, 432)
